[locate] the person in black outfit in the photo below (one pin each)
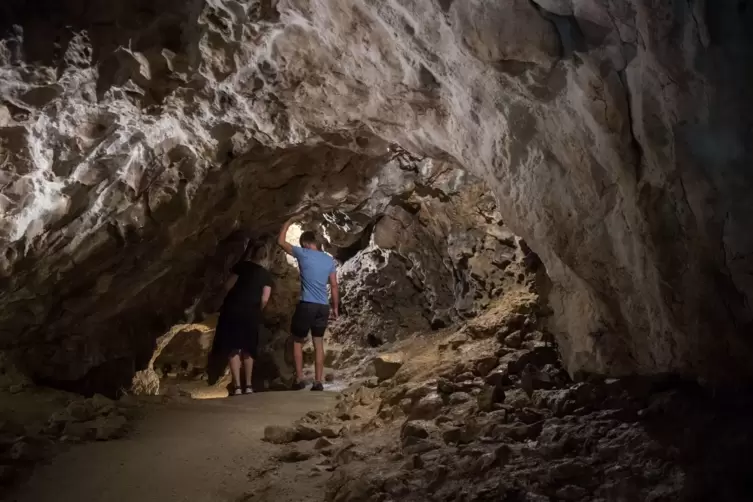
(241, 313)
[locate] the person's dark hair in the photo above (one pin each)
(259, 253)
(307, 238)
(255, 251)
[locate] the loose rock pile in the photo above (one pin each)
(23, 444)
(512, 425)
(86, 419)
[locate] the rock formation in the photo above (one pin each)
(436, 254)
(480, 414)
(137, 136)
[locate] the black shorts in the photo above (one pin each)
(309, 317)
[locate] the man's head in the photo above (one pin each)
(257, 252)
(309, 240)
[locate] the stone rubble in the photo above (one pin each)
(22, 445)
(522, 430)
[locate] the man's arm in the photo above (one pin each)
(265, 294)
(285, 245)
(335, 294)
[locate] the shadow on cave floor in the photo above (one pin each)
(710, 435)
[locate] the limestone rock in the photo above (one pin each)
(17, 388)
(279, 434)
(81, 410)
(489, 396)
(145, 383)
(428, 407)
(386, 365)
(323, 443)
(420, 429)
(187, 347)
(457, 398)
(514, 340)
(306, 432)
(485, 365)
(78, 431)
(333, 430)
(446, 387)
(110, 427)
(292, 455)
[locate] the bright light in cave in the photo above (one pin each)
(293, 237)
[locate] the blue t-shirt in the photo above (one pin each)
(315, 267)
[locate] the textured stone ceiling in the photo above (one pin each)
(137, 135)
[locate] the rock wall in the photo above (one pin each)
(137, 135)
(437, 254)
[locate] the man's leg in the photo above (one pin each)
(319, 361)
(299, 329)
(248, 368)
(235, 368)
(298, 357)
(319, 327)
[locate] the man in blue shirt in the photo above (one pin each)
(312, 313)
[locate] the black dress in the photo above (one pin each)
(240, 316)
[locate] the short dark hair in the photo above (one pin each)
(308, 237)
(255, 251)
(259, 253)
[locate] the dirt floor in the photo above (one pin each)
(200, 450)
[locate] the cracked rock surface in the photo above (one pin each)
(137, 136)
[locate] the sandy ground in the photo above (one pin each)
(200, 450)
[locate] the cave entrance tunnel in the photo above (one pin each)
(419, 243)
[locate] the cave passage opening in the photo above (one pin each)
(414, 258)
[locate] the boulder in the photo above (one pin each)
(81, 410)
(293, 455)
(78, 431)
(145, 383)
(17, 388)
(332, 431)
(102, 405)
(445, 386)
(457, 398)
(489, 396)
(428, 407)
(420, 429)
(386, 365)
(485, 365)
(452, 435)
(279, 434)
(517, 398)
(322, 443)
(110, 427)
(514, 340)
(306, 432)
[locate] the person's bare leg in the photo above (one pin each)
(248, 368)
(235, 369)
(319, 361)
(298, 357)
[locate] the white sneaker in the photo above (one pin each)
(248, 390)
(237, 392)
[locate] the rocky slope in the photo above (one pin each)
(137, 136)
(435, 255)
(488, 413)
